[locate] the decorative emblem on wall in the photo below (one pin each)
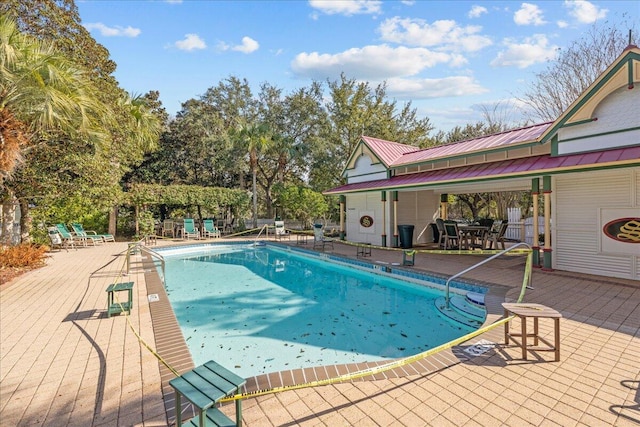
(626, 230)
(366, 221)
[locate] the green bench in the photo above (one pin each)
(204, 386)
(115, 307)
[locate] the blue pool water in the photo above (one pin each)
(261, 309)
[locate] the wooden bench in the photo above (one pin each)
(115, 307)
(204, 386)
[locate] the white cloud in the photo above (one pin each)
(347, 7)
(191, 42)
(370, 62)
(528, 14)
(533, 50)
(585, 12)
(433, 88)
(562, 24)
(445, 34)
(116, 31)
(476, 11)
(248, 45)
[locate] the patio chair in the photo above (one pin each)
(452, 238)
(281, 232)
(496, 234)
(58, 241)
(209, 229)
(319, 241)
(80, 231)
(168, 228)
(190, 229)
(441, 232)
(68, 235)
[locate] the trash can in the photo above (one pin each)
(435, 232)
(406, 236)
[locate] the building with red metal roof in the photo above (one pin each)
(584, 167)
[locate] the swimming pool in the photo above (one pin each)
(266, 309)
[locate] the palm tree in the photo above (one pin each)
(41, 91)
(254, 138)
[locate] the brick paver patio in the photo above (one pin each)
(64, 363)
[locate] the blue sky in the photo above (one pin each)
(451, 59)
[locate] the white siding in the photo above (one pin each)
(418, 208)
(577, 200)
(368, 203)
(617, 111)
(365, 170)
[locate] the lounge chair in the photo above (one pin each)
(68, 235)
(190, 229)
(58, 241)
(281, 232)
(319, 241)
(209, 229)
(80, 231)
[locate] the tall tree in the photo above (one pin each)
(552, 90)
(42, 94)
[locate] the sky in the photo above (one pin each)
(452, 60)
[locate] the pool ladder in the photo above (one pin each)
(526, 280)
(264, 228)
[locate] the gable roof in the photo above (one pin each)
(622, 72)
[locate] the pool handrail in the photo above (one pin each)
(264, 228)
(143, 248)
(473, 267)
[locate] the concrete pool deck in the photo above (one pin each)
(64, 363)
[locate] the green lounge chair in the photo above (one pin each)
(190, 229)
(68, 235)
(58, 241)
(209, 229)
(80, 231)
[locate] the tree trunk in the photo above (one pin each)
(26, 221)
(8, 214)
(255, 200)
(113, 215)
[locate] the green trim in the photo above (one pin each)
(366, 174)
(343, 198)
(444, 198)
(498, 178)
(359, 151)
(384, 241)
(383, 196)
(630, 74)
(604, 79)
(394, 196)
(546, 255)
(554, 146)
(535, 185)
(600, 134)
(579, 122)
(546, 183)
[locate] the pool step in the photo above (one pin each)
(476, 299)
(461, 310)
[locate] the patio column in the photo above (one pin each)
(343, 202)
(383, 198)
(394, 195)
(444, 200)
(546, 190)
(535, 192)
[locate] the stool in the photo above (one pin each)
(536, 311)
(112, 306)
(408, 261)
(363, 249)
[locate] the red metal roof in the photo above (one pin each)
(544, 164)
(387, 151)
(469, 146)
